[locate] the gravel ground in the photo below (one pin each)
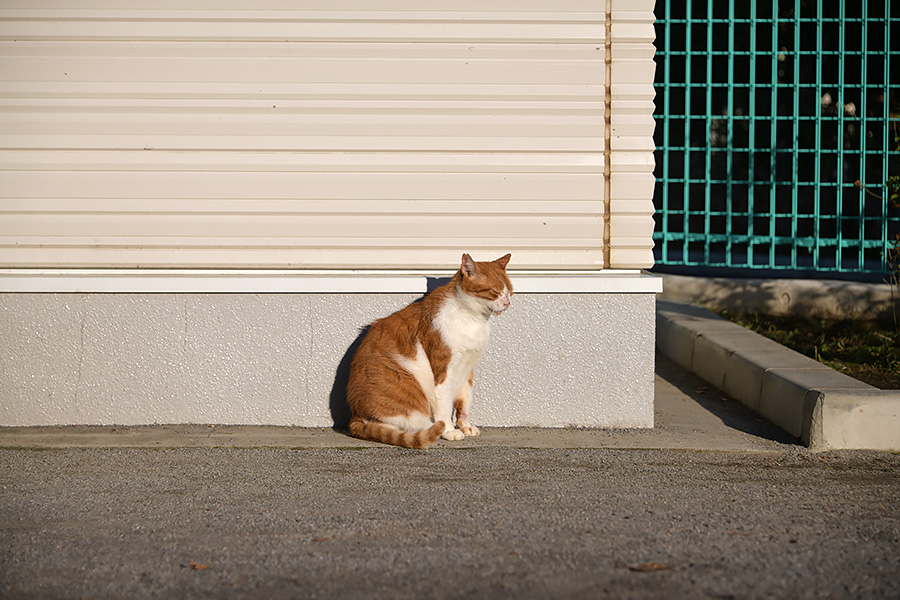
(448, 523)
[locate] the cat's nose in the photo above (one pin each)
(504, 301)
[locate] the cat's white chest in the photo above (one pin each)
(464, 332)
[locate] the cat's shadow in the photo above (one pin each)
(337, 401)
(432, 283)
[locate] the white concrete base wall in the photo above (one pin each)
(583, 359)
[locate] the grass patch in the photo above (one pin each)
(869, 352)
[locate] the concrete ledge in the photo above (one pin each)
(309, 281)
(826, 409)
(818, 299)
(555, 359)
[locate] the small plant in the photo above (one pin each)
(860, 349)
(892, 254)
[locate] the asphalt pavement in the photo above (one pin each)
(712, 503)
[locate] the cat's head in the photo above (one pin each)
(486, 282)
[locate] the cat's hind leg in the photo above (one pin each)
(415, 421)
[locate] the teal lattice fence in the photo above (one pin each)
(777, 127)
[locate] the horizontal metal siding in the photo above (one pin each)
(217, 137)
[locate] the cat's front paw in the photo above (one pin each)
(470, 430)
(453, 435)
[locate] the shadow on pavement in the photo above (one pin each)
(732, 413)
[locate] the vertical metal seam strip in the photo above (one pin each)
(607, 138)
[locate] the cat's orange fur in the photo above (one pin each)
(414, 368)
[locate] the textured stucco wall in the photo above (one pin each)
(281, 359)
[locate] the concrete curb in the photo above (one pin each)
(825, 409)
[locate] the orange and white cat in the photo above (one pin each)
(414, 368)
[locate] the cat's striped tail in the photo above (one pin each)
(388, 434)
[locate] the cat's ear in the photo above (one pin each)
(468, 266)
(503, 261)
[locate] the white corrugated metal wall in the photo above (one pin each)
(235, 134)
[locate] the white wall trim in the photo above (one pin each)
(252, 281)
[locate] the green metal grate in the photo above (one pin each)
(768, 113)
